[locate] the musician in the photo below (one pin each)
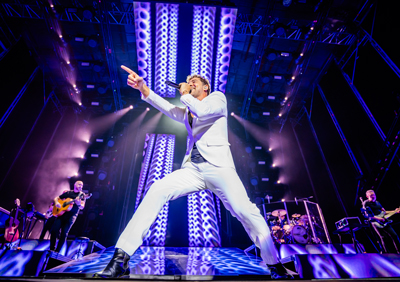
(208, 164)
(14, 224)
(63, 223)
(375, 212)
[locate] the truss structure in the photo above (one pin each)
(123, 14)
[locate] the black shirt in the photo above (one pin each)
(195, 157)
(373, 207)
(72, 195)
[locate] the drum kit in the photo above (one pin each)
(296, 231)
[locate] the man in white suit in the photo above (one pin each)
(208, 164)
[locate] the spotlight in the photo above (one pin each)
(232, 113)
(278, 181)
(131, 107)
(270, 149)
(301, 54)
(80, 104)
(76, 174)
(110, 143)
(254, 180)
(273, 165)
(87, 141)
(60, 36)
(102, 175)
(282, 200)
(51, 6)
(147, 109)
(280, 115)
(285, 98)
(312, 28)
(68, 62)
(82, 156)
(293, 77)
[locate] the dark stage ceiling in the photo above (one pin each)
(279, 50)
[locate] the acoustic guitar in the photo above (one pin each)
(11, 233)
(67, 204)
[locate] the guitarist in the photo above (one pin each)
(375, 212)
(63, 223)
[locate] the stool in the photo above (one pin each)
(80, 241)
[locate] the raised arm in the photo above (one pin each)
(137, 82)
(212, 106)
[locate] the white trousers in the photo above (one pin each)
(224, 182)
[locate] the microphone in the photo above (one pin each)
(172, 84)
(295, 199)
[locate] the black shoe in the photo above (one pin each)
(278, 271)
(117, 267)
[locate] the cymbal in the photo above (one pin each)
(278, 213)
(296, 215)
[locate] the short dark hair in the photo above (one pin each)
(202, 79)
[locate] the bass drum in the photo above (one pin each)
(299, 235)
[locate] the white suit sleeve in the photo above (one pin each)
(170, 110)
(212, 106)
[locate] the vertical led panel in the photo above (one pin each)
(142, 13)
(166, 48)
(161, 165)
(203, 222)
(203, 40)
(147, 153)
(225, 41)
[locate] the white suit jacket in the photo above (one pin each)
(209, 128)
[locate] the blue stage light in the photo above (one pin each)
(166, 48)
(225, 40)
(142, 14)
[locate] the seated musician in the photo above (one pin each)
(376, 213)
(63, 223)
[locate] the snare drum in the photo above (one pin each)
(299, 235)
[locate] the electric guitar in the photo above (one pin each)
(385, 216)
(11, 233)
(67, 204)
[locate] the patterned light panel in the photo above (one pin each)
(206, 59)
(166, 48)
(203, 221)
(203, 40)
(225, 40)
(142, 13)
(161, 164)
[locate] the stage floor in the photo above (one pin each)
(172, 263)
